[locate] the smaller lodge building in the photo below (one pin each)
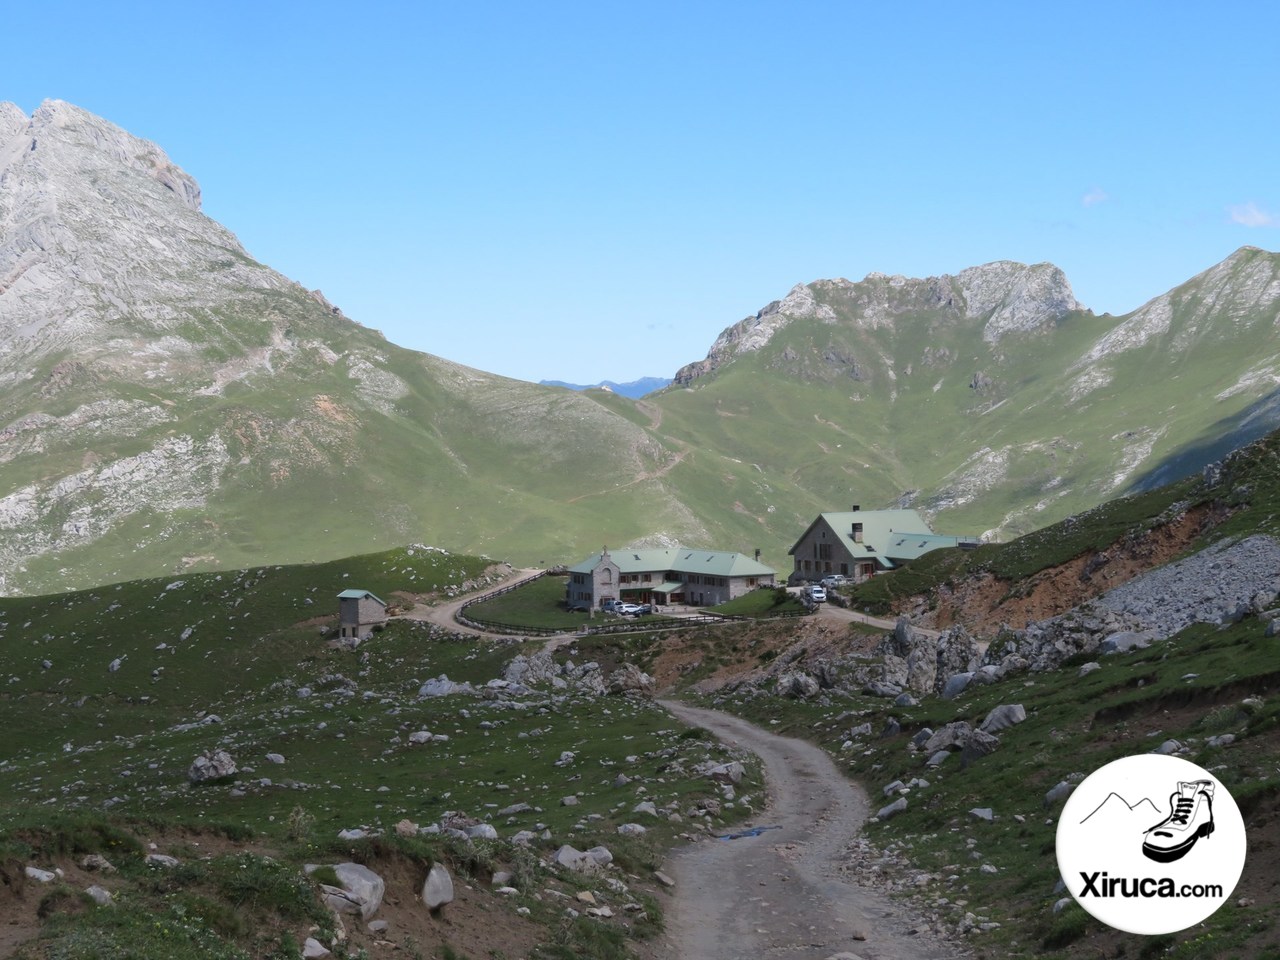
(863, 543)
(665, 575)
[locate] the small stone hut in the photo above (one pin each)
(359, 611)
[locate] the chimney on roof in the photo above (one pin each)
(757, 554)
(855, 508)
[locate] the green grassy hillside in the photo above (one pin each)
(109, 695)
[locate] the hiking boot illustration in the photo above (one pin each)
(1190, 818)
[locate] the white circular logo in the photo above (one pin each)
(1151, 844)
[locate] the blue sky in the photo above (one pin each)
(590, 191)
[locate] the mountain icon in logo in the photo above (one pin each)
(1115, 809)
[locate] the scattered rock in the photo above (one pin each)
(1003, 717)
(575, 860)
(630, 679)
(437, 890)
(956, 685)
(1058, 793)
(980, 744)
(797, 685)
(893, 809)
(1127, 640)
(951, 737)
(99, 895)
(360, 890)
(211, 765)
(727, 772)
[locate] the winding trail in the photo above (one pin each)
(780, 894)
(444, 614)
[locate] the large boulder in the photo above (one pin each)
(211, 765)
(437, 889)
(979, 744)
(797, 685)
(575, 860)
(951, 737)
(540, 668)
(956, 684)
(730, 772)
(359, 890)
(630, 679)
(442, 686)
(1003, 717)
(1126, 640)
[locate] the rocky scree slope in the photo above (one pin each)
(171, 403)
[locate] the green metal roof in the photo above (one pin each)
(358, 595)
(716, 563)
(886, 534)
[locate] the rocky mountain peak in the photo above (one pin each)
(100, 233)
(1017, 297)
(68, 129)
(1011, 298)
(12, 122)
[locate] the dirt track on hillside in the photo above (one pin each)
(780, 894)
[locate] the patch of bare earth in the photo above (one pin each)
(752, 651)
(983, 604)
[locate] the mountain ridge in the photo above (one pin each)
(173, 404)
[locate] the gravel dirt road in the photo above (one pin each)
(780, 894)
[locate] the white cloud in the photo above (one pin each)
(1094, 197)
(1251, 215)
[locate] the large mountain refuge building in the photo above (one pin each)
(665, 575)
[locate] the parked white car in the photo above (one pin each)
(816, 592)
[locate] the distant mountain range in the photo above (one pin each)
(635, 389)
(169, 403)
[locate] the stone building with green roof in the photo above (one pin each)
(665, 575)
(359, 611)
(862, 543)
